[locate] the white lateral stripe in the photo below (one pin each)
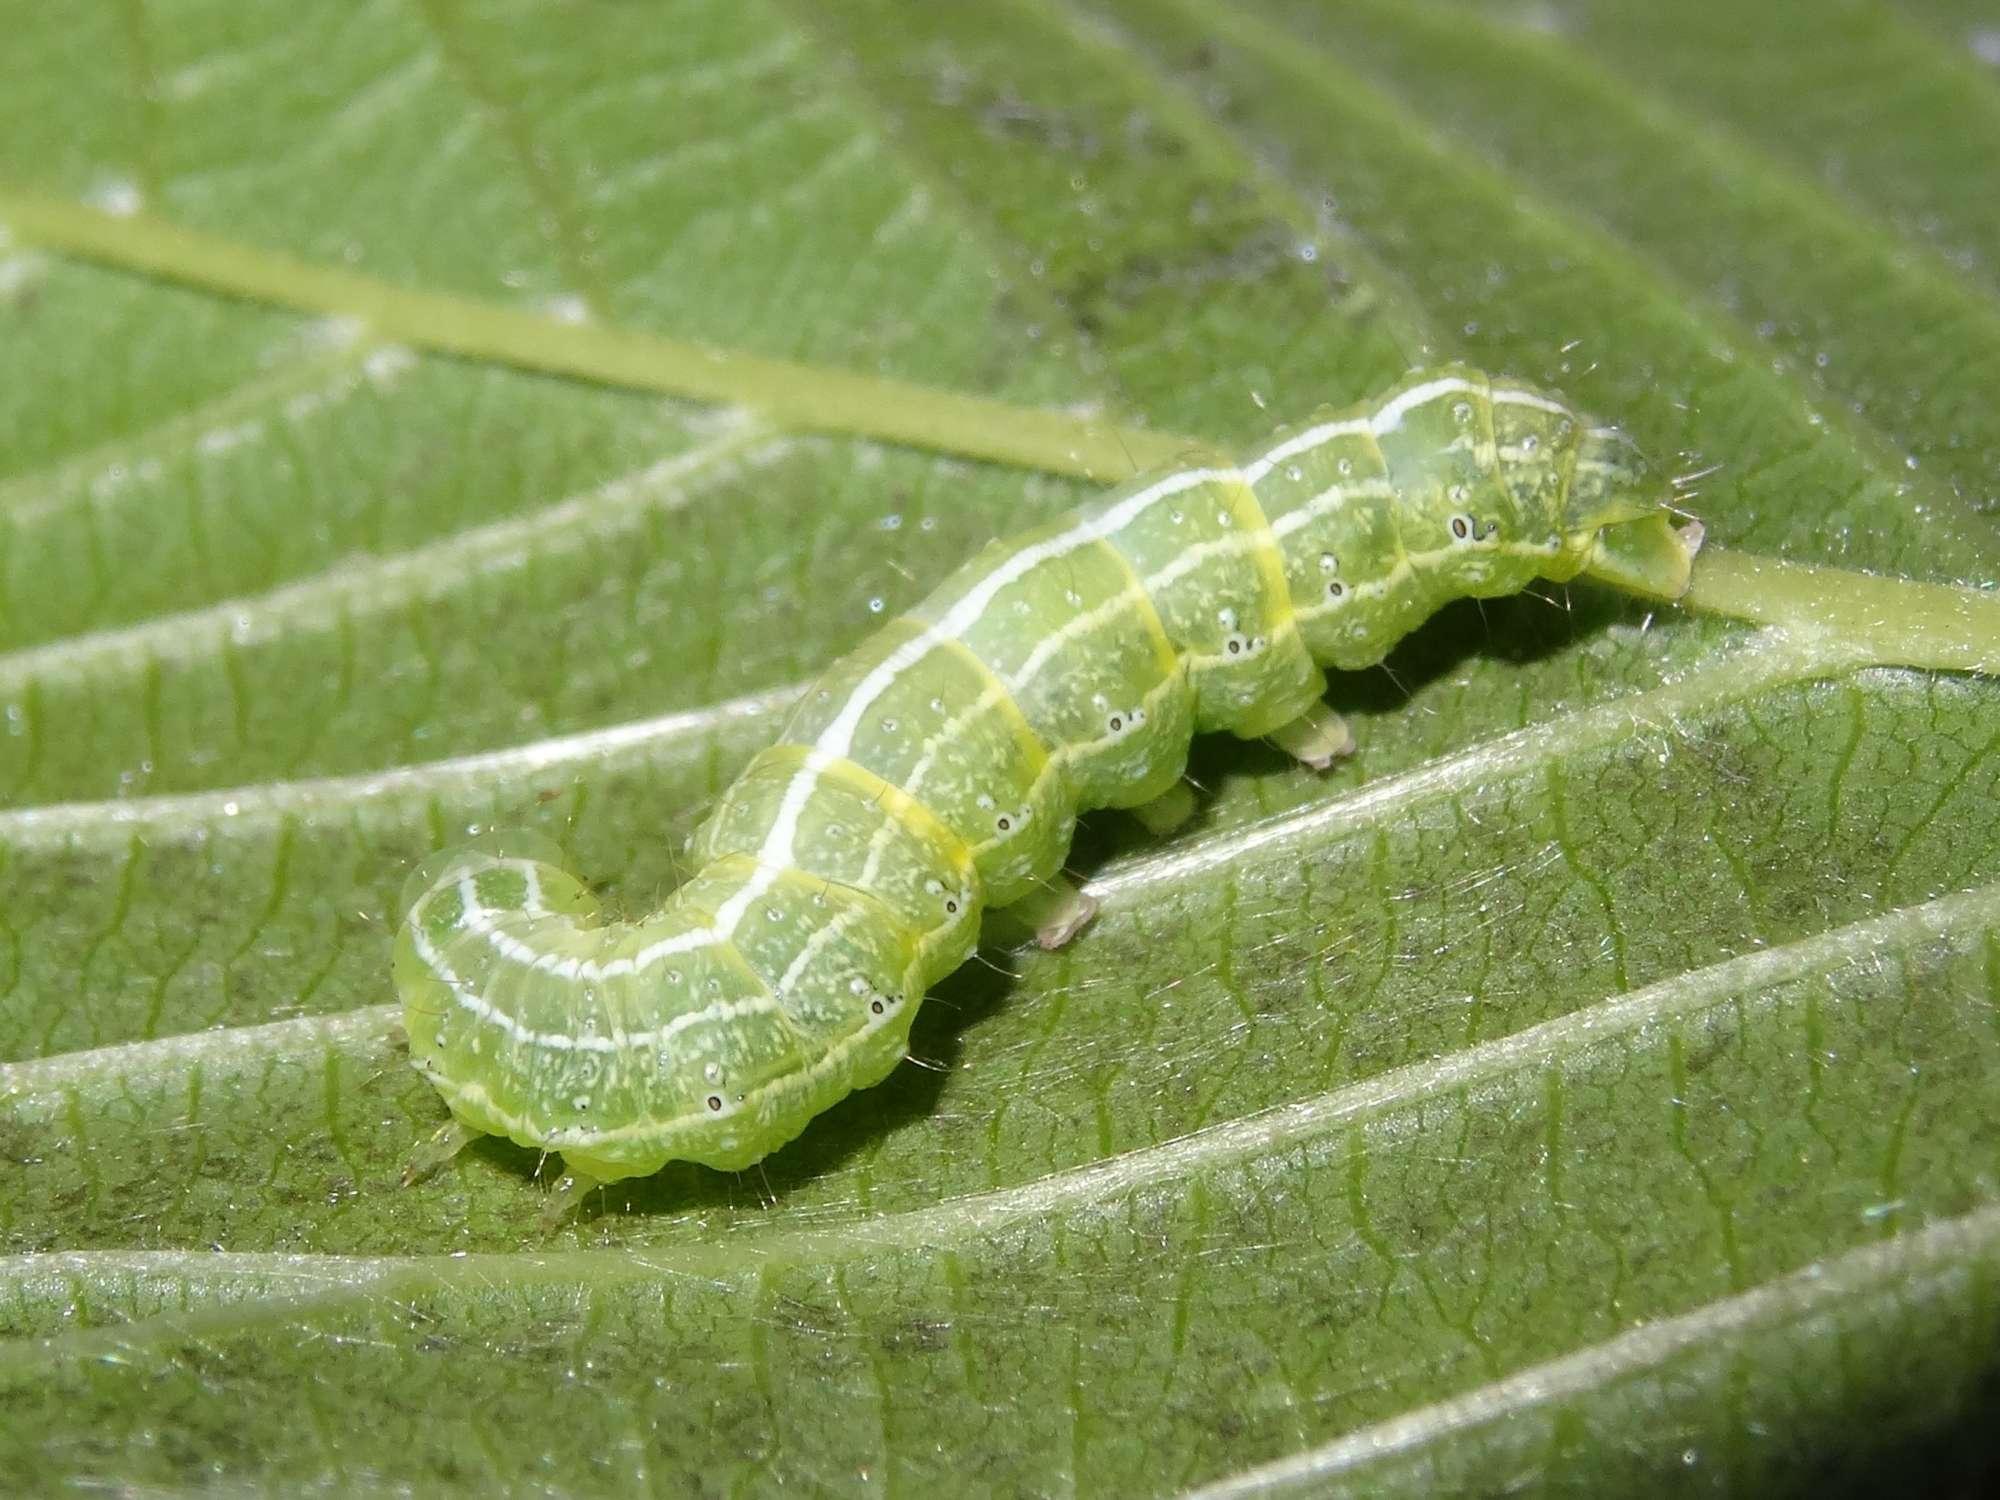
(809, 950)
(1062, 635)
(1331, 499)
(1083, 624)
(645, 958)
(1193, 557)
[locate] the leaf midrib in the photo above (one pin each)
(800, 396)
(816, 398)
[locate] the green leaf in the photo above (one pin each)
(433, 416)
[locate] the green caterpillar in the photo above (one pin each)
(939, 769)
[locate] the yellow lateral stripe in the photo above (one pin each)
(916, 818)
(1163, 645)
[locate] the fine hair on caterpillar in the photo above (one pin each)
(938, 769)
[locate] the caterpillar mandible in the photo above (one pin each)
(939, 769)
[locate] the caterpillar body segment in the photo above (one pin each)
(940, 768)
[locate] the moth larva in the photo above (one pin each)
(939, 769)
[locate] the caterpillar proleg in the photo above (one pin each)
(938, 770)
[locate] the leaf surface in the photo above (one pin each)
(1590, 1086)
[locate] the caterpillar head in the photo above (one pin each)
(1619, 512)
(1610, 483)
(1618, 515)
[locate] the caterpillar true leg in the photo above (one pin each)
(569, 1191)
(1316, 738)
(446, 1142)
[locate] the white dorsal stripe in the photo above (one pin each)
(1303, 442)
(1508, 395)
(478, 919)
(778, 848)
(1389, 415)
(838, 737)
